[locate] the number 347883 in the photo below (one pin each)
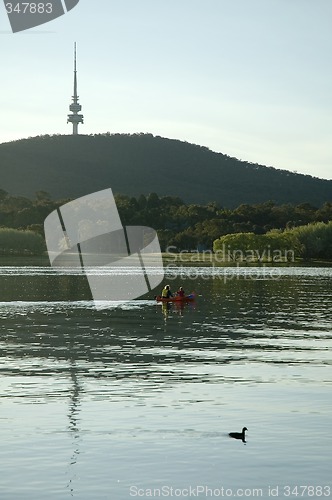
(29, 8)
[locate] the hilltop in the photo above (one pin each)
(69, 166)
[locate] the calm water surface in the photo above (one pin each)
(114, 403)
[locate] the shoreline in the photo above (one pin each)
(208, 259)
(184, 258)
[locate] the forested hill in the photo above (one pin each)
(71, 166)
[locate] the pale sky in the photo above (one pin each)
(248, 78)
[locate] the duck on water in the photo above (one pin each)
(239, 435)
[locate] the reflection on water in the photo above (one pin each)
(144, 393)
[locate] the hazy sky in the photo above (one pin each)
(249, 78)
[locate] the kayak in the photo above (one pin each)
(185, 298)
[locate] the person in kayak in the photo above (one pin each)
(166, 293)
(180, 292)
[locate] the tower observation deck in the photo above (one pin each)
(75, 118)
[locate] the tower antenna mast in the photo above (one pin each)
(75, 118)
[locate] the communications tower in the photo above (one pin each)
(75, 118)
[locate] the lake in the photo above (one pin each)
(137, 400)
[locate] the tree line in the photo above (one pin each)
(180, 225)
(196, 227)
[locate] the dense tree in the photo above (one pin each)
(324, 214)
(274, 246)
(14, 242)
(315, 240)
(193, 226)
(152, 201)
